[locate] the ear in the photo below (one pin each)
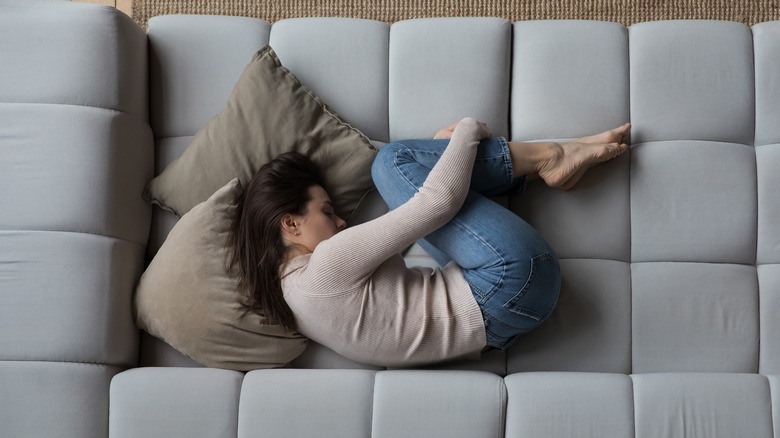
(290, 225)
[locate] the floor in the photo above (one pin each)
(125, 6)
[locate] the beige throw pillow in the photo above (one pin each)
(187, 298)
(268, 112)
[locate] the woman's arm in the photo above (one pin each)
(445, 133)
(350, 256)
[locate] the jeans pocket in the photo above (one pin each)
(539, 295)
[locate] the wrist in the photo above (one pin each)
(467, 129)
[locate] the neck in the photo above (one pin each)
(294, 250)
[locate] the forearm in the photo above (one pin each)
(359, 250)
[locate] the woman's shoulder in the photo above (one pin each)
(294, 265)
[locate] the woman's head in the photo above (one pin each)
(302, 232)
(284, 211)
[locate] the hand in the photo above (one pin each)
(484, 131)
(445, 132)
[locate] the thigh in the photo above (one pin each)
(490, 243)
(401, 168)
(513, 272)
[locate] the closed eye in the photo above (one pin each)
(328, 210)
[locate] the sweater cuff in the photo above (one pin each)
(467, 130)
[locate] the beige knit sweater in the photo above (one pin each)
(355, 295)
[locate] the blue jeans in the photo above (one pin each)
(512, 271)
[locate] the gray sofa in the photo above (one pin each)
(667, 323)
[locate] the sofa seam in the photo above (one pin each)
(167, 137)
(75, 362)
(78, 105)
(89, 233)
(648, 262)
(630, 152)
(633, 403)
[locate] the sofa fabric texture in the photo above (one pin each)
(666, 323)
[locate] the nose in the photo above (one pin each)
(340, 223)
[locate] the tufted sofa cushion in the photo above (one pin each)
(75, 148)
(360, 403)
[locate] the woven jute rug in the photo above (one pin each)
(626, 12)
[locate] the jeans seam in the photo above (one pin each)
(499, 342)
(509, 305)
(476, 236)
(400, 171)
(507, 158)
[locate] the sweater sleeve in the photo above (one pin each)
(348, 258)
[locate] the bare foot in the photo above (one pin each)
(617, 135)
(569, 161)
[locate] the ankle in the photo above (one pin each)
(528, 158)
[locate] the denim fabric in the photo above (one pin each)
(512, 271)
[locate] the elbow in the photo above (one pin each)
(445, 204)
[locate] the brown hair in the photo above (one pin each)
(280, 187)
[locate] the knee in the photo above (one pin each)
(384, 169)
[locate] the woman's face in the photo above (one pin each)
(319, 223)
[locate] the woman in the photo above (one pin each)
(349, 289)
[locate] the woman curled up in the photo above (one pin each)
(350, 289)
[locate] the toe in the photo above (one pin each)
(622, 131)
